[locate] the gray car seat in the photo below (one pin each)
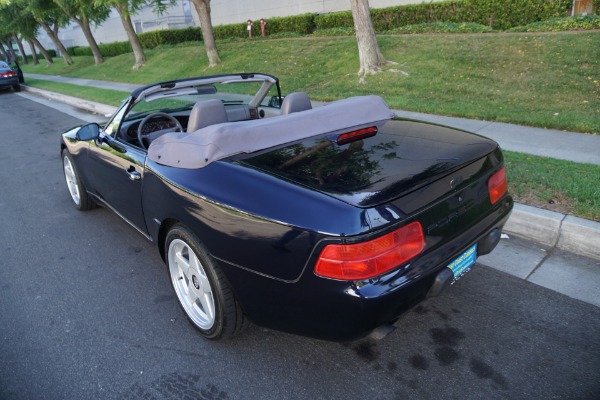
(205, 113)
(295, 102)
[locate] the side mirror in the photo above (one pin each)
(274, 101)
(88, 132)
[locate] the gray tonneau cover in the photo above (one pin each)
(200, 148)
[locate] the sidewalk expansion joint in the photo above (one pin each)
(547, 255)
(550, 252)
(484, 127)
(564, 216)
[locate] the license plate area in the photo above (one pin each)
(463, 263)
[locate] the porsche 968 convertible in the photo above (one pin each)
(326, 221)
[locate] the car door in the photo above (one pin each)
(118, 172)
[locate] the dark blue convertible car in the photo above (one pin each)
(328, 222)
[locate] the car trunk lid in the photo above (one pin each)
(403, 157)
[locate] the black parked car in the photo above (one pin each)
(9, 77)
(17, 68)
(327, 222)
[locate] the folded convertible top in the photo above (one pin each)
(202, 147)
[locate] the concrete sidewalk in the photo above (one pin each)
(123, 87)
(546, 239)
(570, 146)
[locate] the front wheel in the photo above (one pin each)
(79, 195)
(202, 289)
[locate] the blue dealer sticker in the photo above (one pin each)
(463, 263)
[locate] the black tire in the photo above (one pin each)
(81, 199)
(17, 88)
(228, 318)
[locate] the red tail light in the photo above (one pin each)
(9, 74)
(375, 257)
(497, 185)
(356, 135)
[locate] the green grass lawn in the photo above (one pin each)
(536, 79)
(558, 185)
(104, 96)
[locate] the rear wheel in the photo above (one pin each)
(79, 195)
(17, 88)
(202, 289)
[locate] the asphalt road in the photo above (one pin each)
(87, 312)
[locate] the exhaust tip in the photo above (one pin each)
(489, 242)
(442, 281)
(381, 331)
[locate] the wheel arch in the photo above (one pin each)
(163, 231)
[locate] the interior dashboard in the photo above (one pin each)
(235, 112)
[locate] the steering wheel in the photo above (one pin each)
(155, 135)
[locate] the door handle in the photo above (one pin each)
(133, 174)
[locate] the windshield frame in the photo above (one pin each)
(150, 92)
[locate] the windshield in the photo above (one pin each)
(234, 92)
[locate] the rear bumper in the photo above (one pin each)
(9, 82)
(341, 310)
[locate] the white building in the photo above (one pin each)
(233, 11)
(223, 12)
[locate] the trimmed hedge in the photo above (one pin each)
(303, 24)
(505, 14)
(561, 24)
(86, 51)
(150, 40)
(498, 14)
(106, 49)
(40, 56)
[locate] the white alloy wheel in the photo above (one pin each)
(191, 284)
(71, 179)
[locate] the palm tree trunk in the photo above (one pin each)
(87, 32)
(136, 46)
(84, 24)
(11, 51)
(42, 49)
(371, 59)
(21, 49)
(33, 52)
(59, 46)
(4, 53)
(203, 10)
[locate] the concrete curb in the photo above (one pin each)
(576, 235)
(551, 228)
(580, 236)
(536, 224)
(91, 106)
